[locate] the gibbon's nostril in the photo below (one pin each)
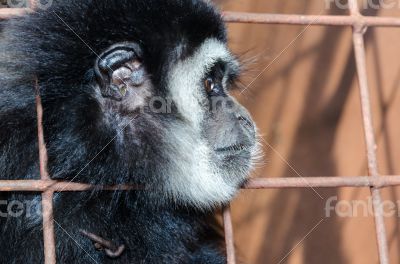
(245, 122)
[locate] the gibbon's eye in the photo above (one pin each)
(209, 85)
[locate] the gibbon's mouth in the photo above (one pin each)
(237, 148)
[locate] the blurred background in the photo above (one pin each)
(306, 104)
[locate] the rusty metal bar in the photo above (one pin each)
(263, 18)
(6, 13)
(359, 50)
(44, 174)
(47, 196)
(48, 228)
(229, 240)
(57, 186)
(258, 183)
(323, 182)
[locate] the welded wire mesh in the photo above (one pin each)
(375, 181)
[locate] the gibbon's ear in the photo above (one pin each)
(120, 68)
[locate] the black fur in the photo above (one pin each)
(42, 46)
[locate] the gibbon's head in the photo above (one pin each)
(159, 74)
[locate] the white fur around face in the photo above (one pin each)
(193, 178)
(185, 80)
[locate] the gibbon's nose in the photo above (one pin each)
(231, 130)
(239, 136)
(246, 123)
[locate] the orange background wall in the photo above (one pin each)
(306, 104)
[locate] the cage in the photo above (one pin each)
(352, 18)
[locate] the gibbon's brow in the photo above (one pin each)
(227, 67)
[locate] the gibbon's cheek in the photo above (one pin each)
(194, 176)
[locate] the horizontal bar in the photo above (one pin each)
(258, 183)
(6, 13)
(57, 186)
(264, 18)
(323, 182)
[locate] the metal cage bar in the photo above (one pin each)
(47, 195)
(260, 183)
(374, 180)
(359, 49)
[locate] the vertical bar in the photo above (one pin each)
(48, 228)
(44, 175)
(47, 196)
(229, 240)
(359, 49)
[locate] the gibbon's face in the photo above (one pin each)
(208, 139)
(196, 143)
(151, 80)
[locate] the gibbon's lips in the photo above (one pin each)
(236, 148)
